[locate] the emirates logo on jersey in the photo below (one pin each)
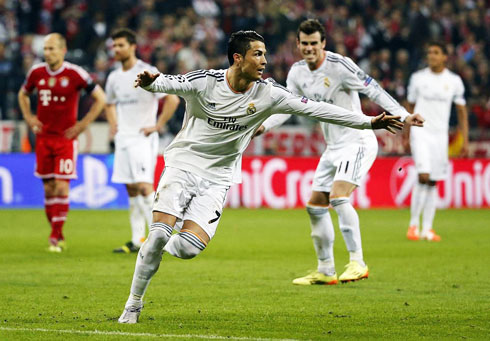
(228, 123)
(64, 81)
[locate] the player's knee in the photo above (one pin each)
(424, 179)
(319, 199)
(159, 236)
(185, 245)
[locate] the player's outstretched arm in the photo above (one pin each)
(145, 78)
(388, 122)
(94, 111)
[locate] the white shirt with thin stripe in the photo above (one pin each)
(338, 81)
(135, 108)
(219, 122)
(433, 94)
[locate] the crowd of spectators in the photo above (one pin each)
(386, 38)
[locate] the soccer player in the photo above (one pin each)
(431, 91)
(224, 108)
(136, 133)
(58, 85)
(332, 78)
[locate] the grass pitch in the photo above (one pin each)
(240, 287)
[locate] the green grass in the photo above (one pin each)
(241, 285)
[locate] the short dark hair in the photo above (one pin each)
(130, 35)
(239, 42)
(311, 26)
(439, 44)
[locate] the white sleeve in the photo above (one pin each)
(285, 102)
(458, 98)
(279, 119)
(354, 78)
(178, 85)
(158, 95)
(109, 90)
(412, 89)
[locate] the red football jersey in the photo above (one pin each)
(58, 93)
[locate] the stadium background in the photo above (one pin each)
(386, 39)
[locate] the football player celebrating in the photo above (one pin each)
(223, 110)
(329, 77)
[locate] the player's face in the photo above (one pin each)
(436, 57)
(54, 51)
(253, 65)
(311, 47)
(123, 49)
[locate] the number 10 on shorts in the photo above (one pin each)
(66, 166)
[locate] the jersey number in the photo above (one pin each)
(66, 166)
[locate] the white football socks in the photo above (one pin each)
(148, 261)
(419, 194)
(349, 226)
(323, 236)
(429, 209)
(136, 220)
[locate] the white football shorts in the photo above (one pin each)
(187, 196)
(135, 159)
(430, 153)
(350, 163)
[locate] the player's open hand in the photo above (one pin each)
(260, 130)
(35, 125)
(415, 120)
(388, 122)
(145, 78)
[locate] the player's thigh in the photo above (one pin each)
(353, 163)
(342, 189)
(143, 157)
(439, 158)
(324, 173)
(206, 208)
(45, 159)
(121, 171)
(420, 145)
(66, 154)
(174, 192)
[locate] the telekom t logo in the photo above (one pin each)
(45, 96)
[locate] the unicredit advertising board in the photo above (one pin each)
(277, 182)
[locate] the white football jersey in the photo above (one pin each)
(219, 122)
(135, 107)
(433, 94)
(338, 81)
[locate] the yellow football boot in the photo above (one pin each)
(316, 278)
(354, 272)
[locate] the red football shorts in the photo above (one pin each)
(56, 157)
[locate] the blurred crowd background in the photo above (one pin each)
(386, 38)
